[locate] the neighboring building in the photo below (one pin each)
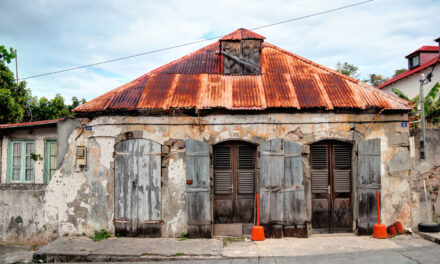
(185, 148)
(420, 61)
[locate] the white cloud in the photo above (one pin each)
(52, 35)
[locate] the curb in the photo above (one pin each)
(429, 237)
(57, 257)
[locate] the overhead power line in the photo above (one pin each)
(194, 42)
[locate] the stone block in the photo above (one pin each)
(437, 205)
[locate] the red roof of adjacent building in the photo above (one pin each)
(30, 124)
(410, 72)
(287, 80)
(424, 49)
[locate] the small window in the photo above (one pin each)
(50, 163)
(20, 163)
(414, 61)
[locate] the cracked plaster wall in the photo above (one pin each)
(79, 202)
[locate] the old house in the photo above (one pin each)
(185, 148)
(424, 60)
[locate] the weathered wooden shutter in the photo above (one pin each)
(294, 199)
(319, 169)
(369, 164)
(198, 191)
(138, 188)
(281, 189)
(149, 189)
(246, 170)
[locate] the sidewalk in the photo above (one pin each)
(147, 249)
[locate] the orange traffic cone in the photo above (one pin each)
(258, 231)
(380, 230)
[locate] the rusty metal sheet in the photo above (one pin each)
(287, 81)
(242, 33)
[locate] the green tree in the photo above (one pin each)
(6, 55)
(17, 102)
(399, 71)
(376, 79)
(348, 69)
(432, 104)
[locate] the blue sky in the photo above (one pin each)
(52, 35)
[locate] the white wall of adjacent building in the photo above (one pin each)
(410, 85)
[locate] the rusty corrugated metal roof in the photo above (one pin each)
(286, 81)
(31, 124)
(242, 33)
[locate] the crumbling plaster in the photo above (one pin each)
(79, 202)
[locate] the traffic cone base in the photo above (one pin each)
(380, 231)
(257, 233)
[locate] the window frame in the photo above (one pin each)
(47, 155)
(22, 161)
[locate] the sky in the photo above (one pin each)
(52, 35)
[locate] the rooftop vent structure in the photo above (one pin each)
(241, 51)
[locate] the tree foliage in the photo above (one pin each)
(348, 69)
(399, 71)
(431, 105)
(17, 103)
(376, 79)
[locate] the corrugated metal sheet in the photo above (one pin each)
(31, 124)
(242, 33)
(287, 81)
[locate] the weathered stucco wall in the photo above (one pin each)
(22, 219)
(427, 169)
(79, 202)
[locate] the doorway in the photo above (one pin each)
(331, 187)
(234, 183)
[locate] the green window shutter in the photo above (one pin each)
(20, 164)
(50, 159)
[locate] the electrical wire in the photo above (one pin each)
(193, 42)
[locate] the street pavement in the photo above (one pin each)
(334, 248)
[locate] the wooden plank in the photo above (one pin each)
(199, 205)
(294, 199)
(369, 164)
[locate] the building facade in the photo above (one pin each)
(185, 149)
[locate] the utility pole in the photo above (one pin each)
(422, 109)
(16, 67)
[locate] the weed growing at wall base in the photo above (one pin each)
(100, 235)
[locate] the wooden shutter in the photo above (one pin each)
(319, 168)
(198, 192)
(342, 168)
(126, 170)
(294, 199)
(281, 190)
(149, 189)
(223, 170)
(138, 188)
(369, 164)
(246, 169)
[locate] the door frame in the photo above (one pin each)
(353, 183)
(256, 175)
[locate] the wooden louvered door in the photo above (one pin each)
(331, 187)
(234, 183)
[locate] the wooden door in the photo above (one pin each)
(331, 187)
(138, 188)
(198, 189)
(368, 183)
(282, 199)
(234, 183)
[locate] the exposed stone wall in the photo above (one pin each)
(427, 169)
(81, 201)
